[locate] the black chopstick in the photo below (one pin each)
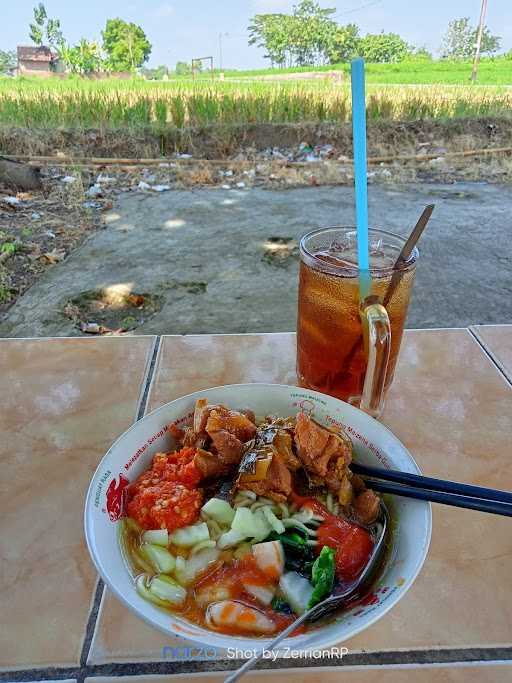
(419, 482)
(481, 504)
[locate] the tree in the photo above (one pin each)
(84, 58)
(383, 47)
(310, 31)
(8, 61)
(156, 74)
(125, 44)
(183, 69)
(301, 38)
(460, 39)
(421, 54)
(343, 43)
(273, 33)
(44, 28)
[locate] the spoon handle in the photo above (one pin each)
(250, 663)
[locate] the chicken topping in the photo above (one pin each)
(326, 455)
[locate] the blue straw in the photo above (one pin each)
(360, 179)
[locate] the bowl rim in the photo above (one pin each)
(329, 641)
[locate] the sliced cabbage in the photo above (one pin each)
(159, 558)
(297, 591)
(156, 537)
(263, 528)
(219, 510)
(274, 522)
(251, 524)
(190, 535)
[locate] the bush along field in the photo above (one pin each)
(79, 103)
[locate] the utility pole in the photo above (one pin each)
(481, 23)
(220, 49)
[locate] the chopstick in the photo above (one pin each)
(436, 490)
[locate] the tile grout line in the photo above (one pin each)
(91, 623)
(490, 356)
(149, 377)
(100, 586)
(409, 658)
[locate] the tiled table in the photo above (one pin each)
(63, 401)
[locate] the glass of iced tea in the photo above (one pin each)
(346, 348)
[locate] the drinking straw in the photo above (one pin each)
(360, 179)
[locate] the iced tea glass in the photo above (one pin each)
(345, 348)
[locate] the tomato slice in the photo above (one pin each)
(352, 543)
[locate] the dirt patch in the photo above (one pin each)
(39, 229)
(218, 142)
(111, 311)
(280, 251)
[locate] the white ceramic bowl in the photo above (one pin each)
(374, 444)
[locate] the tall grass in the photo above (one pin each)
(77, 103)
(491, 71)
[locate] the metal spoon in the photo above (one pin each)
(330, 604)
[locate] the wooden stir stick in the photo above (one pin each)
(406, 252)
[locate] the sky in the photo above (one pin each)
(182, 29)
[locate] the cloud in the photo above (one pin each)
(164, 10)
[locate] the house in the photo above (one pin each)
(35, 60)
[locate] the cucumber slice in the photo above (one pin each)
(190, 535)
(187, 570)
(159, 558)
(219, 510)
(143, 591)
(297, 591)
(156, 537)
(244, 523)
(230, 539)
(164, 588)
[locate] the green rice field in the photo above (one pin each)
(80, 103)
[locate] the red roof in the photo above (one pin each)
(34, 53)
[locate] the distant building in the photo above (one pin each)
(36, 60)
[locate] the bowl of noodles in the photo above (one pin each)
(225, 514)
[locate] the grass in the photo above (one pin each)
(491, 71)
(77, 103)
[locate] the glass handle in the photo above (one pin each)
(377, 339)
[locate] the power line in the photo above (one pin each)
(356, 9)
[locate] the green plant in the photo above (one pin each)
(84, 58)
(5, 294)
(9, 248)
(8, 61)
(45, 28)
(383, 47)
(125, 44)
(460, 39)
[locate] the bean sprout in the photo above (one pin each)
(248, 494)
(291, 522)
(242, 502)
